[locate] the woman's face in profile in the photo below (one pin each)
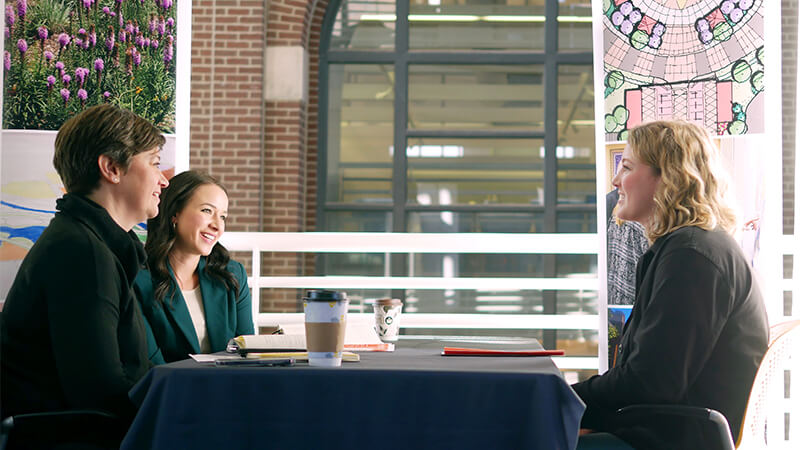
(200, 224)
(636, 183)
(141, 184)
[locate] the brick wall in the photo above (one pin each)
(226, 101)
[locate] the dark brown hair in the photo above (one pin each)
(100, 130)
(161, 234)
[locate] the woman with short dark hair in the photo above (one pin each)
(72, 334)
(698, 329)
(194, 296)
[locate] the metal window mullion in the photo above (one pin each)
(399, 262)
(549, 299)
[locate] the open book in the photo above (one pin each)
(356, 339)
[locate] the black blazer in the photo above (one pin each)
(696, 336)
(72, 335)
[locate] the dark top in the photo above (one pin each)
(228, 314)
(72, 334)
(696, 336)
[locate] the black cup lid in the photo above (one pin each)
(323, 295)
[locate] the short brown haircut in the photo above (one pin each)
(100, 130)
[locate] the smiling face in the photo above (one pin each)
(140, 185)
(637, 183)
(201, 222)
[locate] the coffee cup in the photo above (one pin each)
(387, 318)
(325, 321)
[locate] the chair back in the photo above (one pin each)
(782, 337)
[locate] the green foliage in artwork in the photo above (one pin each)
(623, 135)
(737, 127)
(621, 114)
(741, 71)
(611, 123)
(757, 81)
(607, 7)
(723, 31)
(639, 39)
(760, 55)
(613, 81)
(62, 56)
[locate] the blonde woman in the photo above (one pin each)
(698, 329)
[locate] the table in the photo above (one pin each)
(413, 398)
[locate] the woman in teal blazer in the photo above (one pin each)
(193, 296)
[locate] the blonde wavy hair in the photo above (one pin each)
(693, 188)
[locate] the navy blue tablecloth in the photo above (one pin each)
(413, 398)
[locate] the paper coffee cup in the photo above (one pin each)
(387, 318)
(325, 321)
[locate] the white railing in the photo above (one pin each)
(411, 243)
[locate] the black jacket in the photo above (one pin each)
(696, 335)
(72, 333)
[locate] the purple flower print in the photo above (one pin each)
(7, 33)
(151, 24)
(168, 54)
(106, 10)
(48, 55)
(139, 41)
(65, 95)
(7, 60)
(87, 4)
(154, 43)
(137, 58)
(92, 37)
(63, 40)
(736, 15)
(80, 74)
(82, 95)
(110, 41)
(161, 26)
(146, 42)
(122, 36)
(59, 65)
(170, 22)
(43, 33)
(22, 45)
(121, 20)
(22, 8)
(51, 80)
(106, 94)
(66, 79)
(10, 16)
(99, 65)
(129, 27)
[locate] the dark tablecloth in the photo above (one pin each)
(413, 398)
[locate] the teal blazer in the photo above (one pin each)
(170, 332)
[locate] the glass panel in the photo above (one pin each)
(476, 265)
(576, 266)
(476, 24)
(474, 222)
(476, 97)
(577, 221)
(364, 25)
(358, 221)
(475, 171)
(575, 25)
(360, 115)
(575, 152)
(473, 301)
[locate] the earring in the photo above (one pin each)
(174, 225)
(115, 180)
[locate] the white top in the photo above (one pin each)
(194, 301)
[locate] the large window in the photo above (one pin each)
(459, 116)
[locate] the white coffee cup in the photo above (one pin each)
(325, 323)
(387, 318)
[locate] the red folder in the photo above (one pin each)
(458, 351)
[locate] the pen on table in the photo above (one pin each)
(255, 362)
